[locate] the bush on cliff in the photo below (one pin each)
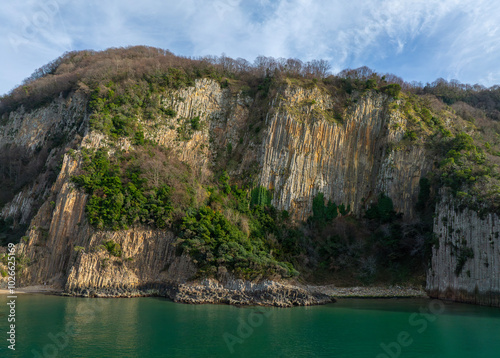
(142, 187)
(213, 241)
(113, 248)
(241, 231)
(382, 210)
(469, 172)
(392, 89)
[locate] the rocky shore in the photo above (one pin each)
(32, 289)
(238, 292)
(370, 292)
(233, 292)
(245, 293)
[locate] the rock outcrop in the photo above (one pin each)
(305, 152)
(38, 135)
(227, 291)
(239, 292)
(465, 263)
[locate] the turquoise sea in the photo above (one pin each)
(52, 326)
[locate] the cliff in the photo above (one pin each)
(306, 152)
(57, 229)
(465, 263)
(293, 140)
(34, 137)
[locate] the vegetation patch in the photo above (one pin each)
(463, 254)
(213, 241)
(113, 248)
(239, 230)
(468, 173)
(134, 188)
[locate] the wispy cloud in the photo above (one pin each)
(416, 39)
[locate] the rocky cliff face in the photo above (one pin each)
(465, 264)
(149, 256)
(60, 248)
(306, 151)
(303, 148)
(57, 229)
(37, 136)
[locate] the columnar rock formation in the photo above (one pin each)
(351, 162)
(465, 263)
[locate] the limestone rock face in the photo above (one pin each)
(351, 163)
(35, 132)
(64, 250)
(465, 264)
(32, 129)
(60, 248)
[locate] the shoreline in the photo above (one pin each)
(33, 289)
(369, 291)
(327, 290)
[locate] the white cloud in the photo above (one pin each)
(474, 52)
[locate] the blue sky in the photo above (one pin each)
(416, 39)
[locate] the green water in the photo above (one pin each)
(50, 326)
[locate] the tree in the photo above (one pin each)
(318, 68)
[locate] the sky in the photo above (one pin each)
(418, 40)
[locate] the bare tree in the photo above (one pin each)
(318, 68)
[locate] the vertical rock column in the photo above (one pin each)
(454, 274)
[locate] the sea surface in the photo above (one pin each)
(53, 326)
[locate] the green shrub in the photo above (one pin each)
(213, 241)
(139, 138)
(119, 193)
(260, 196)
(371, 83)
(113, 248)
(322, 213)
(224, 182)
(462, 141)
(392, 89)
(464, 167)
(195, 123)
(382, 211)
(427, 116)
(170, 112)
(113, 114)
(411, 135)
